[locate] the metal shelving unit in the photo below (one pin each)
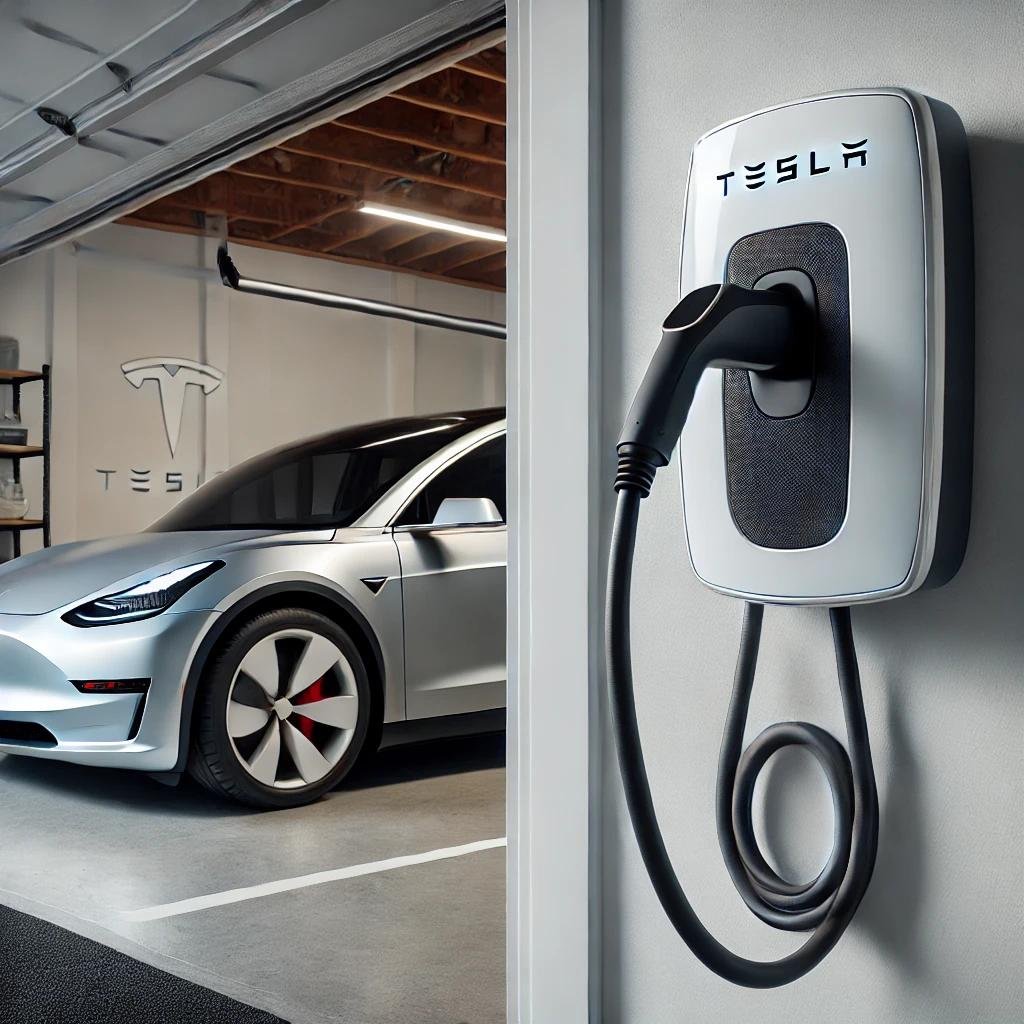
(17, 453)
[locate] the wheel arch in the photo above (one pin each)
(286, 594)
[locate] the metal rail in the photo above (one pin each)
(257, 20)
(233, 279)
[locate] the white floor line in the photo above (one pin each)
(252, 892)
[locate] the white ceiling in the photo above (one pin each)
(191, 64)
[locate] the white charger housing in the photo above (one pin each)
(855, 485)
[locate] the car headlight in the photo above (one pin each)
(143, 600)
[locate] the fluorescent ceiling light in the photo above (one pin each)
(457, 227)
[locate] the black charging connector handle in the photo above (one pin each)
(766, 331)
(763, 330)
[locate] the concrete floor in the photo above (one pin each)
(423, 944)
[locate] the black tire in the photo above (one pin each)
(213, 761)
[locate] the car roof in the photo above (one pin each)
(363, 435)
(382, 430)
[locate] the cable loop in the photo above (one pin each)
(827, 903)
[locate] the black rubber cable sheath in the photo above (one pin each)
(828, 903)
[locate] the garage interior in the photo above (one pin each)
(309, 914)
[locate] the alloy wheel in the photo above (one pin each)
(292, 709)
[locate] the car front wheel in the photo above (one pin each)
(283, 711)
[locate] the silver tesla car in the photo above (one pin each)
(262, 632)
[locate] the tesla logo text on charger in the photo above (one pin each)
(792, 167)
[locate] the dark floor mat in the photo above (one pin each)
(49, 975)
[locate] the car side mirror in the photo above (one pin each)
(467, 512)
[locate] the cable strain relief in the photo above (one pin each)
(637, 466)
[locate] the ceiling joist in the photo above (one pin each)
(435, 147)
(434, 166)
(296, 173)
(422, 247)
(489, 64)
(454, 92)
(463, 255)
(461, 136)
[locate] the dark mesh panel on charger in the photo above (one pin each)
(787, 478)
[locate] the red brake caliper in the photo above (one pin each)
(310, 695)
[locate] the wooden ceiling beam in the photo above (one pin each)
(390, 118)
(238, 208)
(436, 148)
(329, 233)
(344, 206)
(293, 170)
(468, 251)
(494, 260)
(334, 234)
(452, 91)
(430, 244)
(252, 230)
(480, 267)
(379, 245)
(495, 282)
(316, 242)
(282, 206)
(488, 64)
(166, 218)
(353, 148)
(134, 220)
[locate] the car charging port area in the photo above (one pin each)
(253, 530)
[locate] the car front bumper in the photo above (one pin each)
(41, 654)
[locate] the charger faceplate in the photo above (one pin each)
(864, 494)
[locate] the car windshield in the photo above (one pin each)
(325, 482)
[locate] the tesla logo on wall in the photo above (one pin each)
(172, 376)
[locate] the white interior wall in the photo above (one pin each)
(938, 938)
(290, 370)
(125, 314)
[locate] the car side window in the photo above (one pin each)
(477, 474)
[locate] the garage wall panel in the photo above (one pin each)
(449, 373)
(127, 474)
(296, 369)
(938, 938)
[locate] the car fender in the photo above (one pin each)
(265, 591)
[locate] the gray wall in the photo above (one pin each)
(291, 370)
(938, 938)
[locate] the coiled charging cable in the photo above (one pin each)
(826, 904)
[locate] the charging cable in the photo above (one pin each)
(764, 331)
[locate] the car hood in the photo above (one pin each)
(45, 580)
